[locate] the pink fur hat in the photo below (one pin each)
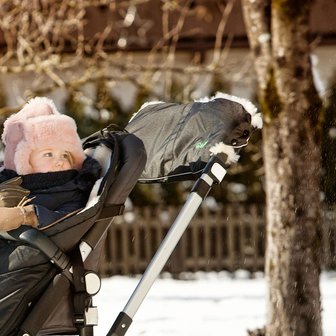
(39, 125)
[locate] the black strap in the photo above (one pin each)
(110, 211)
(82, 299)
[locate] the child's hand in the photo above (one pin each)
(12, 218)
(11, 192)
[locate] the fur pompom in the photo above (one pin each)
(220, 147)
(256, 120)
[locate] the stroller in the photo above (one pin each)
(48, 278)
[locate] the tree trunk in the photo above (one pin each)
(291, 110)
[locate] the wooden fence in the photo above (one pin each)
(230, 238)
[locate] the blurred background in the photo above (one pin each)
(101, 60)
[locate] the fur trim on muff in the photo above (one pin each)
(256, 120)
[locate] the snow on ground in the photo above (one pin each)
(208, 304)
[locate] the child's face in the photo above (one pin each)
(50, 160)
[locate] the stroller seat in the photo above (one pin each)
(48, 289)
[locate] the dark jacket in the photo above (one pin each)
(57, 194)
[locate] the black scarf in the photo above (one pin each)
(40, 181)
(85, 177)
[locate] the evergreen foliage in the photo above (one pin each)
(75, 109)
(103, 110)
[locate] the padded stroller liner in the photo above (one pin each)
(19, 288)
(24, 274)
(180, 138)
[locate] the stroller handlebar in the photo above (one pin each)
(39, 240)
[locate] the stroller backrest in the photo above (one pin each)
(131, 158)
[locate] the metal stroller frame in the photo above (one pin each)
(213, 173)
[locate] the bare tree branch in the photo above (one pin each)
(39, 35)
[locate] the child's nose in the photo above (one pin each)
(60, 161)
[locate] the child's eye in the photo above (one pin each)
(47, 154)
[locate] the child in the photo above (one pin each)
(44, 152)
